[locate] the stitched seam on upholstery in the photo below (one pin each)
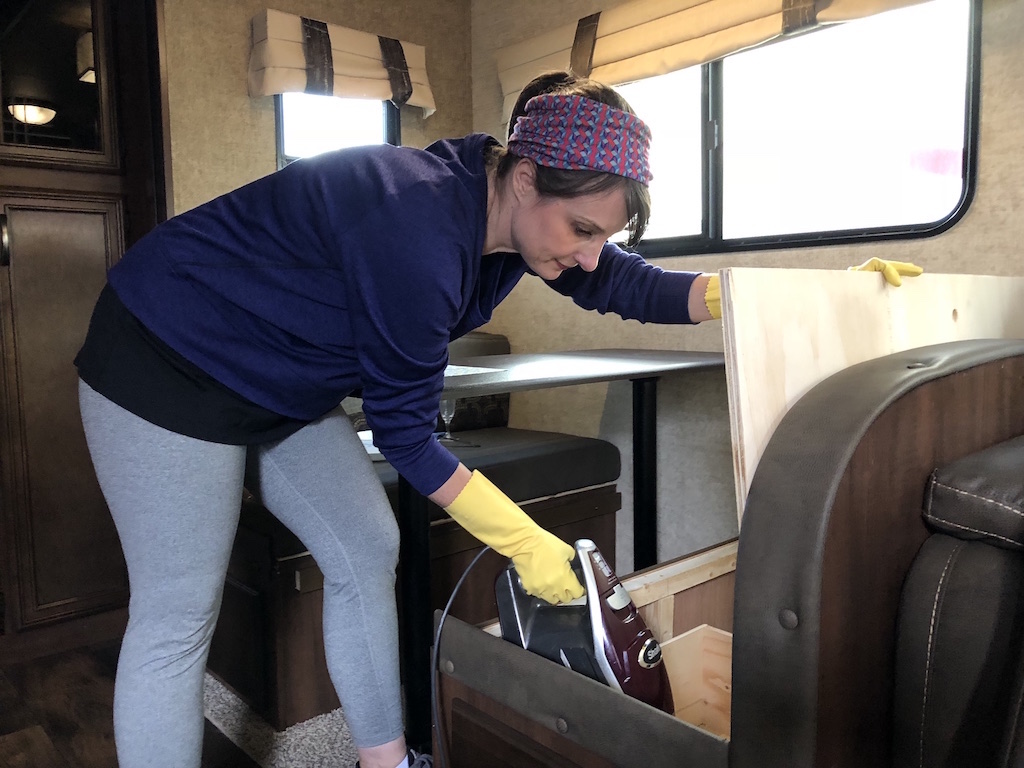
(931, 637)
(981, 498)
(1007, 539)
(931, 496)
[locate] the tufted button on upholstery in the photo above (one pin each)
(788, 619)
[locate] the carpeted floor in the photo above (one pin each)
(322, 742)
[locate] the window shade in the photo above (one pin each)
(292, 53)
(645, 38)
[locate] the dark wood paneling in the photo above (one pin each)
(50, 639)
(71, 213)
(67, 558)
(483, 732)
(710, 602)
(301, 686)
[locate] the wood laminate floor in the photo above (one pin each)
(56, 712)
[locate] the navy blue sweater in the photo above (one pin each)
(355, 269)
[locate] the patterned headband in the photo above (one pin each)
(576, 133)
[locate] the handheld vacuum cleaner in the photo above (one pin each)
(602, 635)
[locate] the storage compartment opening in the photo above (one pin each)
(699, 664)
(688, 606)
(681, 602)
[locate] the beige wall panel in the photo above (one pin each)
(221, 139)
(835, 320)
(987, 241)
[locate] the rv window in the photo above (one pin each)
(309, 124)
(857, 130)
(675, 149)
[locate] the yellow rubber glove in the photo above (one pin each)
(713, 297)
(541, 558)
(891, 270)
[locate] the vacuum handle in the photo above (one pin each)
(577, 568)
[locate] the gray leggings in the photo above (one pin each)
(175, 501)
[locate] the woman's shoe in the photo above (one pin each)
(416, 760)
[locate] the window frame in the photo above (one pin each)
(392, 128)
(710, 241)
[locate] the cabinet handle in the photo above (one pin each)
(5, 242)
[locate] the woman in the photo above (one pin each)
(229, 335)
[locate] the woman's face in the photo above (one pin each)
(554, 234)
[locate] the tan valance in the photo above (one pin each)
(292, 53)
(644, 38)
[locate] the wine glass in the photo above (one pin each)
(448, 407)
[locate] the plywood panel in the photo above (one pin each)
(787, 329)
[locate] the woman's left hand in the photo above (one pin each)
(892, 271)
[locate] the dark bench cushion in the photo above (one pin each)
(528, 464)
(981, 496)
(525, 464)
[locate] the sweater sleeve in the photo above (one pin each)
(405, 292)
(626, 284)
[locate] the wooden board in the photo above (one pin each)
(787, 329)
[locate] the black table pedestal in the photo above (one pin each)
(645, 473)
(416, 628)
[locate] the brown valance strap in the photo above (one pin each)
(316, 46)
(393, 55)
(798, 16)
(581, 60)
(292, 54)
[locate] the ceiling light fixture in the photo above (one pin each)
(31, 112)
(85, 58)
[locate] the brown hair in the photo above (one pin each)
(556, 182)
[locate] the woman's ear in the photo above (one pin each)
(524, 179)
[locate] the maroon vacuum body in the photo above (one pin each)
(602, 635)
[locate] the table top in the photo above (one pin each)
(493, 374)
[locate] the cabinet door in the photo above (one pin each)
(78, 181)
(63, 554)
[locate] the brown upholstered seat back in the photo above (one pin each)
(961, 617)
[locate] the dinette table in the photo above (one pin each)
(496, 374)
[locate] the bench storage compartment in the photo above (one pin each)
(506, 706)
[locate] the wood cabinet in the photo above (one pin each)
(72, 198)
(63, 553)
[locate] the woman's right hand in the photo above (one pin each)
(541, 558)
